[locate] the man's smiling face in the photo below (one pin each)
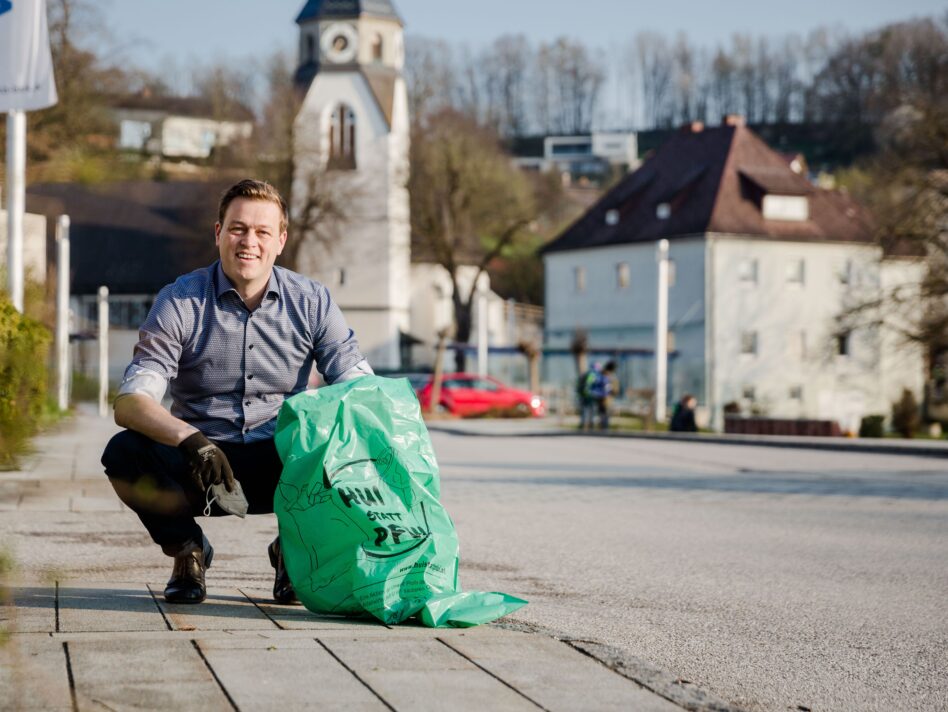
(249, 241)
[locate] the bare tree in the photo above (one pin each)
(506, 66)
(429, 76)
(468, 204)
(569, 79)
(656, 72)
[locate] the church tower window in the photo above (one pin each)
(377, 48)
(342, 135)
(310, 49)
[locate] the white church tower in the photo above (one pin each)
(352, 140)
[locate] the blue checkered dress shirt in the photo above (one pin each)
(230, 369)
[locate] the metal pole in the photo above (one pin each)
(16, 204)
(661, 334)
(481, 334)
(103, 351)
(62, 310)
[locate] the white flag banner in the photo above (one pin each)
(26, 65)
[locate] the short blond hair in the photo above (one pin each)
(252, 190)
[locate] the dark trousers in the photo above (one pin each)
(153, 480)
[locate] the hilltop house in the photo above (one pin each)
(178, 127)
(763, 265)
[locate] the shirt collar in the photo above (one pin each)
(224, 284)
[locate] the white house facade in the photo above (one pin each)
(756, 315)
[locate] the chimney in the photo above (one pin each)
(734, 120)
(693, 127)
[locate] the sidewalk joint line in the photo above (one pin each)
(158, 606)
(499, 679)
(70, 678)
(355, 675)
(269, 617)
(620, 673)
(214, 675)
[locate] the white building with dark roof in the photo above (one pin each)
(178, 127)
(763, 265)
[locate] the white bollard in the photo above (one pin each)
(661, 334)
(103, 351)
(481, 334)
(16, 204)
(62, 311)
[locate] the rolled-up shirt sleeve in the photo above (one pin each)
(158, 351)
(335, 346)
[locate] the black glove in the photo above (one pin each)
(207, 462)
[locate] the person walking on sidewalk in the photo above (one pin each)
(586, 388)
(606, 387)
(233, 340)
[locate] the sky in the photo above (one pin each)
(152, 32)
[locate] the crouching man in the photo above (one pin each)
(233, 340)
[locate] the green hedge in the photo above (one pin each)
(24, 349)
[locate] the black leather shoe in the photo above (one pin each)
(282, 586)
(186, 584)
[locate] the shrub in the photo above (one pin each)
(906, 418)
(871, 426)
(24, 348)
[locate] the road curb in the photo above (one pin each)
(760, 441)
(681, 692)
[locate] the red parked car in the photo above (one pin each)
(470, 394)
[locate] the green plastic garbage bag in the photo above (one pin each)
(361, 527)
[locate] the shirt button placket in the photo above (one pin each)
(248, 371)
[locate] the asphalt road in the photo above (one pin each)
(776, 579)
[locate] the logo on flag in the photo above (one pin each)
(26, 64)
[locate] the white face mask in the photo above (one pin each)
(231, 502)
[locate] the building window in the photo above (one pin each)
(748, 393)
(747, 271)
(793, 208)
(579, 277)
(341, 276)
(672, 273)
(842, 344)
(342, 139)
(846, 274)
(796, 393)
(796, 271)
(749, 343)
(310, 49)
(377, 48)
(623, 275)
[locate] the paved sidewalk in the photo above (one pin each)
(568, 426)
(84, 625)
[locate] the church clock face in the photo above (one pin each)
(339, 43)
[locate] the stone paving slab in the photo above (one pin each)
(33, 610)
(286, 674)
(224, 609)
(33, 675)
(103, 607)
(425, 674)
(564, 681)
(126, 674)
